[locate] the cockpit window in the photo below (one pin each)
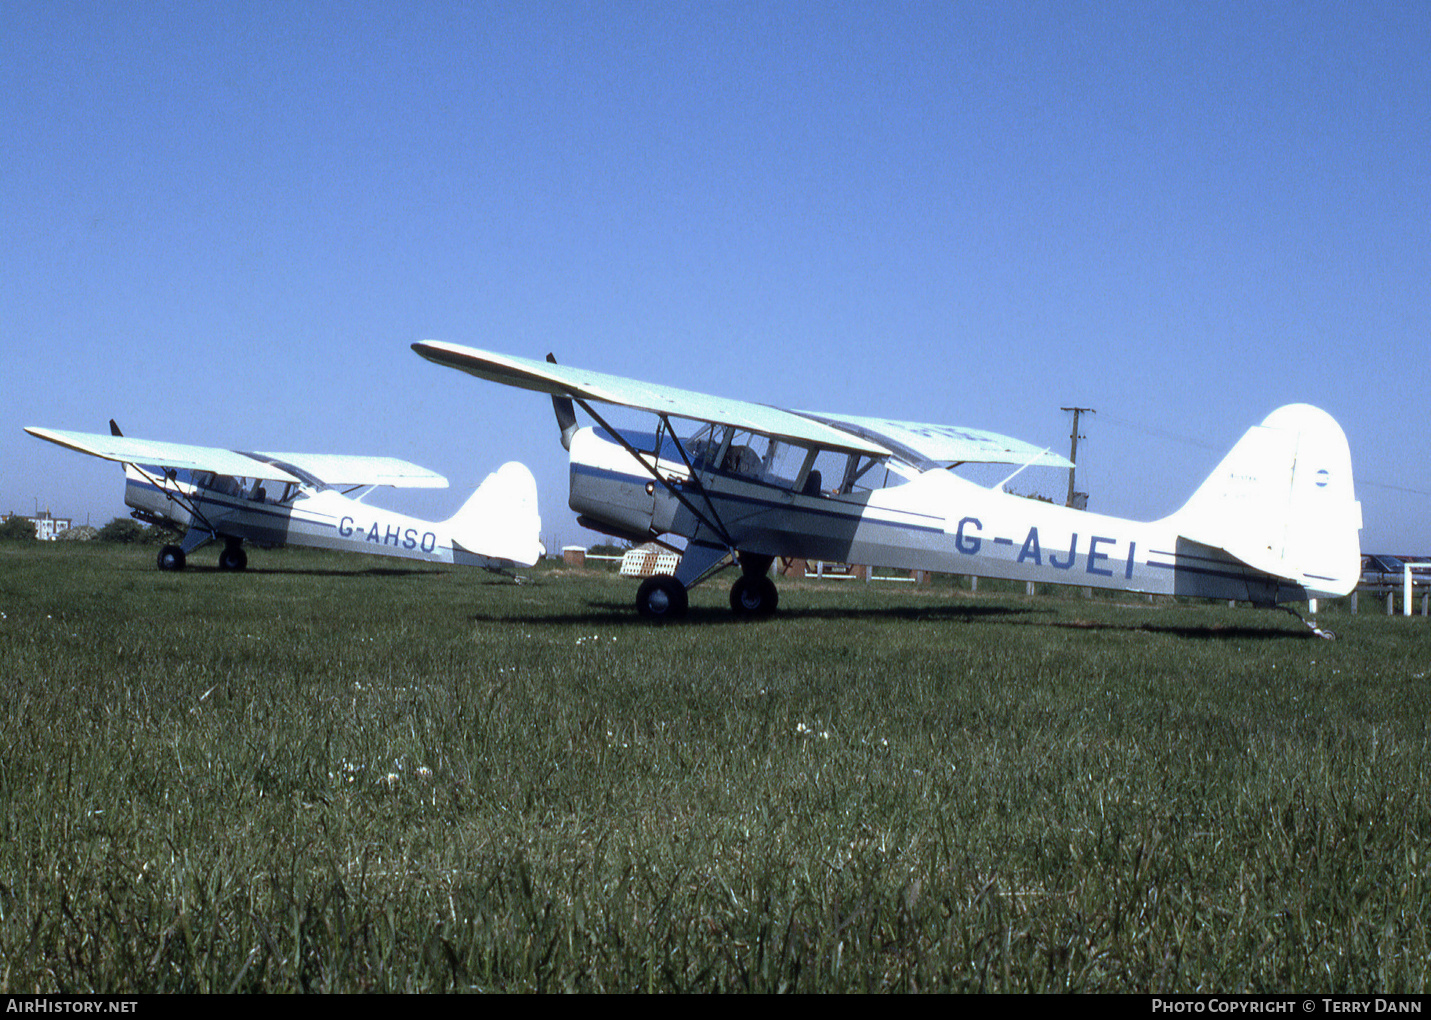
(776, 462)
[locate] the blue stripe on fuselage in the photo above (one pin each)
(609, 474)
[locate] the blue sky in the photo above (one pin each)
(224, 225)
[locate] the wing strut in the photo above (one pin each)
(178, 497)
(718, 526)
(713, 522)
(566, 421)
(173, 494)
(1025, 464)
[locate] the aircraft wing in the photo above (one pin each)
(282, 467)
(928, 445)
(921, 445)
(340, 470)
(127, 450)
(583, 384)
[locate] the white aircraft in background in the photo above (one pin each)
(272, 499)
(1276, 522)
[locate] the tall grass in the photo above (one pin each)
(328, 775)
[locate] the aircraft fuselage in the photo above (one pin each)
(935, 521)
(238, 509)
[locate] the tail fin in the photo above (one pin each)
(1282, 501)
(500, 520)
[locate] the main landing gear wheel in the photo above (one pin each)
(233, 558)
(171, 557)
(753, 596)
(662, 598)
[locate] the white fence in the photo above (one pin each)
(1415, 579)
(1408, 586)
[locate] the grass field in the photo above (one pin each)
(343, 774)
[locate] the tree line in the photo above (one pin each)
(122, 530)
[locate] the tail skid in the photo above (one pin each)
(500, 521)
(1282, 501)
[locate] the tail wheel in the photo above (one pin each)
(232, 558)
(662, 598)
(754, 596)
(171, 557)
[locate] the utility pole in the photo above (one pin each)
(1073, 453)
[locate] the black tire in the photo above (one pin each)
(171, 557)
(662, 598)
(233, 558)
(754, 596)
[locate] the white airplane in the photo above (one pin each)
(272, 499)
(1276, 522)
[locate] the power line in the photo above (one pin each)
(1161, 433)
(1179, 438)
(1394, 488)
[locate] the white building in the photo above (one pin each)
(48, 527)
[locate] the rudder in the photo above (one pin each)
(500, 520)
(1283, 502)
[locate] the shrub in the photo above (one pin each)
(18, 528)
(122, 529)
